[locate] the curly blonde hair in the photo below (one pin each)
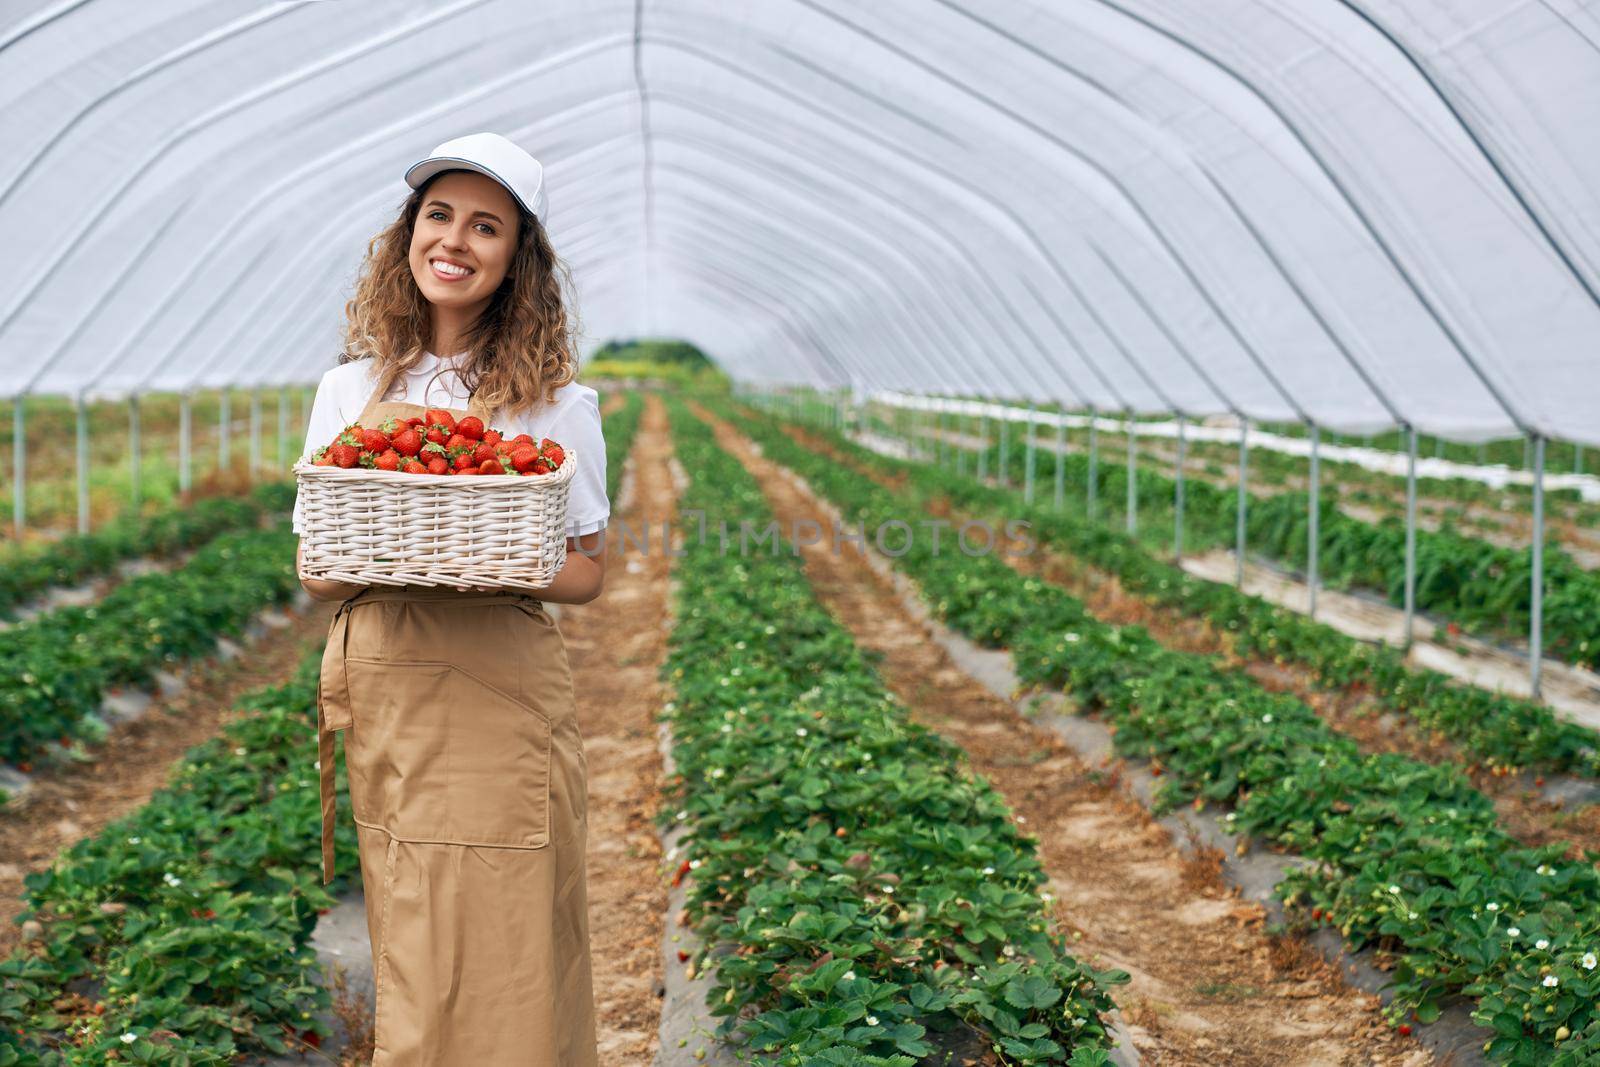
(521, 349)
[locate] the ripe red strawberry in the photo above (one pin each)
(483, 452)
(490, 466)
(494, 437)
(542, 465)
(472, 427)
(458, 440)
(522, 439)
(344, 455)
(437, 434)
(388, 460)
(1405, 1029)
(440, 417)
(464, 461)
(438, 465)
(415, 420)
(414, 467)
(390, 426)
(374, 441)
(407, 442)
(552, 451)
(522, 458)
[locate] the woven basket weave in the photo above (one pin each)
(388, 528)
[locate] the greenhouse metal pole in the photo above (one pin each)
(1061, 460)
(1536, 615)
(1133, 481)
(19, 465)
(1577, 459)
(1177, 497)
(1094, 463)
(255, 431)
(1411, 533)
(224, 431)
(1244, 497)
(959, 444)
(283, 427)
(1313, 540)
(1005, 442)
(983, 453)
(1029, 453)
(185, 442)
(83, 463)
(135, 451)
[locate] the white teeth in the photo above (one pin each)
(451, 268)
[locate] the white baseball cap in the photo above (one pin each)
(492, 155)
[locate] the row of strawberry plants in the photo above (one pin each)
(867, 886)
(1482, 587)
(180, 933)
(1405, 856)
(621, 426)
(56, 668)
(26, 573)
(1501, 730)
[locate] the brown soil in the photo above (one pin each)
(1353, 712)
(78, 800)
(615, 646)
(1209, 984)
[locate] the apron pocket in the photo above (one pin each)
(436, 754)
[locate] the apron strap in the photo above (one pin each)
(333, 714)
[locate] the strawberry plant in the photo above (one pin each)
(26, 573)
(1406, 857)
(859, 885)
(180, 933)
(57, 667)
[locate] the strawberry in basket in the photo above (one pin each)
(438, 444)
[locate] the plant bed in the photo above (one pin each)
(1405, 856)
(858, 886)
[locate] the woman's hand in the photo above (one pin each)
(324, 589)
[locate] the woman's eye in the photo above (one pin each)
(435, 213)
(487, 228)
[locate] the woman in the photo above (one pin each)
(467, 773)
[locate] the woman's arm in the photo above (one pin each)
(582, 576)
(322, 588)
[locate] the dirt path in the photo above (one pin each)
(615, 646)
(1357, 713)
(1209, 986)
(78, 800)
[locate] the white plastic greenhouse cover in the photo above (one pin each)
(1358, 212)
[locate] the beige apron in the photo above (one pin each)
(469, 784)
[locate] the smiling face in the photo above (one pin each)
(463, 241)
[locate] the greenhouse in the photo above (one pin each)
(1000, 533)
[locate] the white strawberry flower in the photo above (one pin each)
(1512, 931)
(694, 865)
(849, 976)
(1551, 981)
(988, 870)
(1541, 944)
(1588, 961)
(1394, 889)
(1492, 906)
(129, 1038)
(800, 731)
(1267, 717)
(134, 840)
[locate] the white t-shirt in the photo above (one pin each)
(573, 419)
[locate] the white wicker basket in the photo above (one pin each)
(389, 528)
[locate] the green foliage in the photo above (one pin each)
(187, 923)
(25, 573)
(57, 667)
(859, 886)
(1406, 856)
